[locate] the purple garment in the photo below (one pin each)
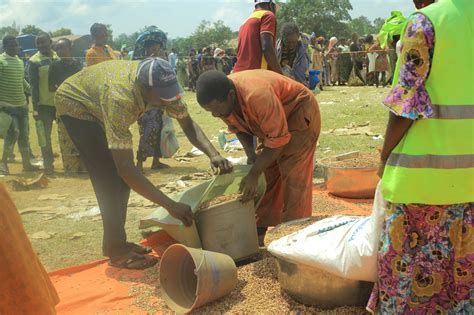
(149, 126)
(409, 97)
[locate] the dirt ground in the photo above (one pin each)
(61, 237)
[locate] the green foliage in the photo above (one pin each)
(323, 17)
(8, 30)
(110, 34)
(378, 23)
(129, 40)
(211, 34)
(182, 45)
(362, 26)
(31, 29)
(61, 32)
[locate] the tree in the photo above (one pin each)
(31, 30)
(361, 25)
(323, 17)
(61, 32)
(182, 45)
(378, 23)
(8, 30)
(129, 40)
(211, 34)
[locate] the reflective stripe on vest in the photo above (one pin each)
(434, 161)
(453, 111)
(431, 161)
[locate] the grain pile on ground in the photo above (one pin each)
(362, 160)
(324, 205)
(257, 292)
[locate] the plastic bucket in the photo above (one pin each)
(229, 228)
(191, 277)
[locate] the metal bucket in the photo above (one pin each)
(350, 182)
(312, 286)
(229, 228)
(191, 277)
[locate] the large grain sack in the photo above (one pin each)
(345, 246)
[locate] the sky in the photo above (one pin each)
(177, 18)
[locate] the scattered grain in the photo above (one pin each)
(218, 200)
(363, 160)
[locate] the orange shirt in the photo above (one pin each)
(267, 100)
(95, 55)
(25, 287)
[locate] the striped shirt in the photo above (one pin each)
(12, 81)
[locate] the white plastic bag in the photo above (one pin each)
(341, 245)
(169, 143)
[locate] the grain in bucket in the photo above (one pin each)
(192, 277)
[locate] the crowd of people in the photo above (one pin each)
(425, 261)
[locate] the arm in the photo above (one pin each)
(52, 82)
(90, 58)
(247, 142)
(249, 185)
(197, 138)
(404, 98)
(397, 127)
(138, 182)
(269, 52)
(34, 84)
(26, 87)
(271, 117)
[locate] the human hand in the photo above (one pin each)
(248, 187)
(251, 159)
(182, 212)
(221, 165)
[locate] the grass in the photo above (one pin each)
(356, 105)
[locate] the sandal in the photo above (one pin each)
(159, 166)
(139, 249)
(132, 260)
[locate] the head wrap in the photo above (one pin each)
(393, 26)
(153, 34)
(332, 42)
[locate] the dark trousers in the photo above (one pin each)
(19, 130)
(47, 114)
(377, 81)
(111, 191)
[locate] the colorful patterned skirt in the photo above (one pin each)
(426, 261)
(150, 125)
(72, 162)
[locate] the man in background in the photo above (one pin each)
(173, 59)
(14, 104)
(100, 51)
(42, 97)
(59, 71)
(257, 39)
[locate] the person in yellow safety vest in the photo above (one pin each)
(426, 257)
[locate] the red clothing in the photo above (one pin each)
(281, 113)
(249, 48)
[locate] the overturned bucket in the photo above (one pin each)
(192, 277)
